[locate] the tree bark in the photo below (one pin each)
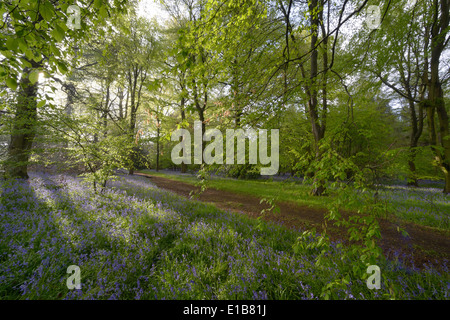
(24, 126)
(105, 111)
(158, 123)
(183, 118)
(200, 109)
(416, 127)
(440, 140)
(135, 97)
(317, 128)
(120, 95)
(126, 104)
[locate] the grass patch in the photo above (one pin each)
(424, 206)
(289, 191)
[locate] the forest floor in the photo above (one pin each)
(423, 245)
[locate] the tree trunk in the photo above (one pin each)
(105, 112)
(447, 182)
(200, 110)
(313, 113)
(24, 126)
(157, 144)
(126, 104)
(132, 81)
(201, 117)
(183, 118)
(70, 91)
(237, 110)
(440, 141)
(120, 96)
(412, 179)
(416, 126)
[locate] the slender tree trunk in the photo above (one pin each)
(120, 96)
(183, 118)
(126, 104)
(132, 81)
(24, 126)
(416, 127)
(158, 122)
(200, 110)
(201, 117)
(317, 129)
(325, 73)
(105, 112)
(440, 142)
(235, 90)
(71, 91)
(412, 180)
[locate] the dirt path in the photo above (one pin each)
(424, 245)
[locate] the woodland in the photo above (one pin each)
(92, 91)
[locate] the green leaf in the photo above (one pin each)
(12, 44)
(29, 54)
(46, 10)
(63, 26)
(58, 33)
(11, 83)
(62, 67)
(23, 45)
(98, 3)
(7, 53)
(16, 15)
(41, 103)
(54, 50)
(33, 76)
(103, 12)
